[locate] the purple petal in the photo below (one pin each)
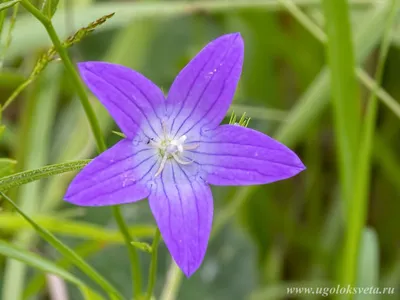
(116, 176)
(133, 101)
(235, 155)
(202, 92)
(183, 209)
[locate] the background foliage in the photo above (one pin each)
(307, 88)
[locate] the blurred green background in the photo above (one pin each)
(266, 238)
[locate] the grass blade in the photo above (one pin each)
(38, 281)
(346, 105)
(10, 222)
(46, 266)
(11, 26)
(8, 4)
(32, 175)
(368, 263)
(346, 111)
(67, 252)
(358, 201)
(49, 7)
(36, 261)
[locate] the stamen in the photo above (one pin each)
(191, 147)
(165, 132)
(162, 165)
(171, 148)
(178, 145)
(182, 162)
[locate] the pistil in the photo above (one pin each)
(172, 148)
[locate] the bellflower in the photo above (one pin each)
(175, 146)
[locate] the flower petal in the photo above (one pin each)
(235, 155)
(202, 92)
(183, 209)
(131, 99)
(118, 175)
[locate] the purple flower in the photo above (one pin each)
(175, 146)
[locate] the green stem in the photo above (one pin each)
(153, 265)
(133, 255)
(10, 29)
(80, 89)
(16, 93)
(173, 282)
(94, 124)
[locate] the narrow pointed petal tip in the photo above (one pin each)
(203, 91)
(234, 36)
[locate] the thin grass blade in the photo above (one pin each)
(67, 252)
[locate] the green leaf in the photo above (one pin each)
(38, 281)
(345, 94)
(47, 266)
(89, 294)
(346, 112)
(2, 128)
(368, 263)
(10, 222)
(32, 175)
(11, 23)
(2, 18)
(36, 261)
(119, 133)
(67, 252)
(145, 247)
(8, 4)
(50, 7)
(358, 201)
(7, 166)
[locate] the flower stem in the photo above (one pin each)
(153, 265)
(133, 255)
(13, 20)
(94, 124)
(80, 89)
(173, 282)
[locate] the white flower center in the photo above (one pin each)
(172, 148)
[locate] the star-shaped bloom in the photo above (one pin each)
(175, 146)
